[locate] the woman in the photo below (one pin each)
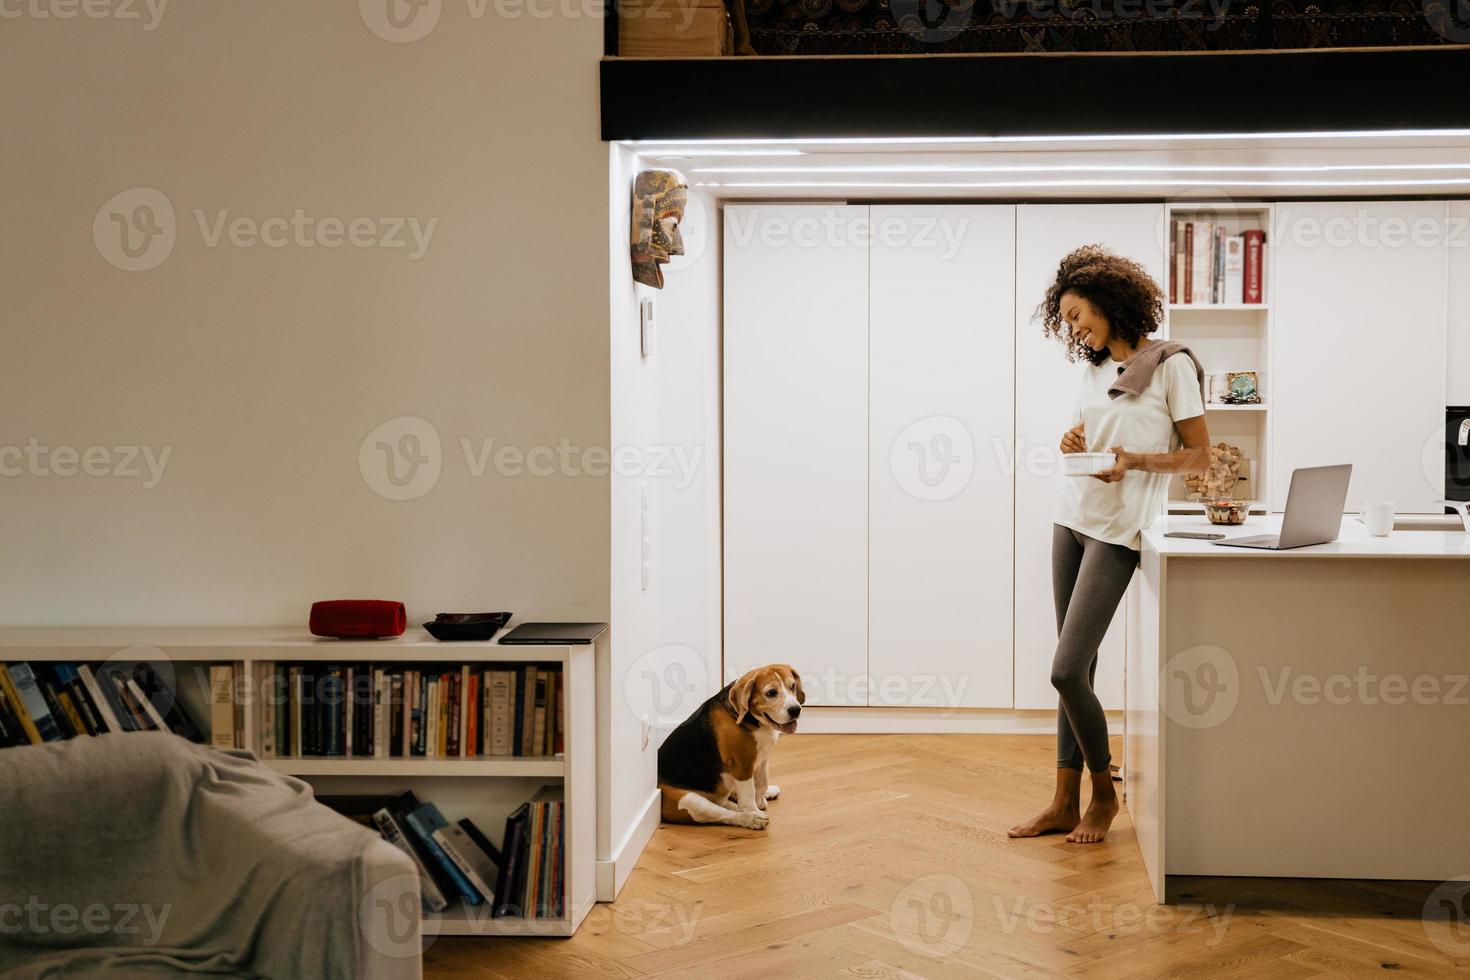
(1103, 306)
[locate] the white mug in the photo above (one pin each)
(1378, 516)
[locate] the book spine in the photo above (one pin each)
(349, 710)
(155, 719)
(1255, 243)
(528, 714)
(12, 694)
(394, 711)
(104, 707)
(1188, 284)
(221, 706)
(558, 744)
(464, 711)
(30, 698)
(461, 861)
(429, 894)
(265, 714)
(419, 824)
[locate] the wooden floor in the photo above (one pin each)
(887, 857)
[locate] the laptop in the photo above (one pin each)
(1313, 510)
(553, 634)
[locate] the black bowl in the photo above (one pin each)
(466, 626)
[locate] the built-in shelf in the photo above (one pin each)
(487, 802)
(463, 920)
(526, 767)
(1231, 407)
(1220, 307)
(253, 643)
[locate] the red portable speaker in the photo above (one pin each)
(358, 619)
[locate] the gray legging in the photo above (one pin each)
(1088, 579)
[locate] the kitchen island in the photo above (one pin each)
(1301, 713)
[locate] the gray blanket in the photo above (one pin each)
(142, 855)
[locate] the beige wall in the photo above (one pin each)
(262, 370)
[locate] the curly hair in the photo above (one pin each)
(1121, 290)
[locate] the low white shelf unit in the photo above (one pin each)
(486, 790)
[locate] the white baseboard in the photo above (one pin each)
(936, 721)
(612, 874)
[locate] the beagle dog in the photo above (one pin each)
(723, 750)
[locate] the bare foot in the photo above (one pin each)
(1095, 823)
(1054, 819)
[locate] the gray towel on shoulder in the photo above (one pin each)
(1139, 371)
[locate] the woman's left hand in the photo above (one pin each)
(1123, 463)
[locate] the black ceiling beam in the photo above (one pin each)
(1036, 94)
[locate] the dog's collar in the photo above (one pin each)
(748, 722)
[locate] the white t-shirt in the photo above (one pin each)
(1116, 512)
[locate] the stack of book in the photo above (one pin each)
(384, 711)
(1208, 264)
(50, 702)
(456, 862)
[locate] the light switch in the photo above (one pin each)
(645, 326)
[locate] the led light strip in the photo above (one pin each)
(970, 185)
(1120, 137)
(1085, 168)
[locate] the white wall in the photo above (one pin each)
(262, 370)
(665, 652)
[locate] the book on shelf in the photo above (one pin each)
(55, 701)
(430, 895)
(478, 867)
(424, 821)
(1209, 265)
(383, 711)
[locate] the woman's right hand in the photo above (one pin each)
(1074, 440)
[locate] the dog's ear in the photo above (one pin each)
(796, 686)
(740, 694)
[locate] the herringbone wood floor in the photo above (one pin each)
(887, 857)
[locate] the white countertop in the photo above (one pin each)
(1353, 542)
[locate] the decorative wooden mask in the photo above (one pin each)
(659, 197)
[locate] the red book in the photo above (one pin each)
(472, 706)
(1255, 244)
(1189, 262)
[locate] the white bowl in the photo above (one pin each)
(1086, 464)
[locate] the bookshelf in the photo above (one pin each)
(1230, 336)
(486, 790)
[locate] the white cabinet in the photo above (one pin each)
(941, 384)
(1359, 342)
(1046, 393)
(1457, 344)
(796, 443)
